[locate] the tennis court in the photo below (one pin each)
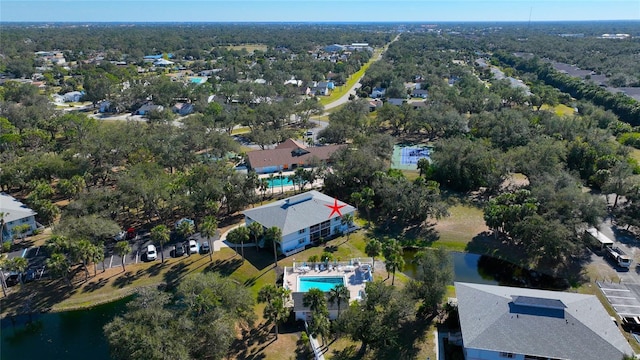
(405, 157)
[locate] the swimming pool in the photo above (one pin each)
(275, 182)
(324, 283)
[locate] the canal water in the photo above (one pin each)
(78, 335)
(465, 267)
(67, 335)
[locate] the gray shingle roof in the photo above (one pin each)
(297, 212)
(13, 209)
(537, 325)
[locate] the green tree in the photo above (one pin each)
(434, 271)
(373, 249)
(97, 256)
(393, 255)
(275, 299)
(273, 235)
(123, 249)
(339, 294)
(83, 251)
(186, 229)
(208, 229)
(347, 219)
(160, 234)
(238, 236)
(59, 266)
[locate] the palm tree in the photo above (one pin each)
(274, 234)
(208, 229)
(122, 249)
(58, 265)
(373, 249)
(367, 201)
(239, 235)
(281, 183)
(338, 294)
(347, 219)
(256, 230)
(186, 229)
(315, 300)
(83, 251)
(394, 259)
(160, 234)
(97, 256)
(275, 298)
(271, 177)
(263, 187)
(2, 223)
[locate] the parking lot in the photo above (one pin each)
(623, 297)
(37, 256)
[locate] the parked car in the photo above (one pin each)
(12, 279)
(193, 247)
(29, 275)
(120, 236)
(131, 233)
(631, 322)
(152, 254)
(178, 250)
(309, 133)
(204, 248)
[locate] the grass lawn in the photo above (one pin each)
(560, 110)
(464, 223)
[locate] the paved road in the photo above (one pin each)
(345, 98)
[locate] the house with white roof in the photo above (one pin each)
(15, 213)
(500, 322)
(303, 219)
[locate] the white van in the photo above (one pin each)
(151, 253)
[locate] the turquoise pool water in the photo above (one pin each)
(275, 182)
(324, 283)
(198, 80)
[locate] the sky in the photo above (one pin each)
(315, 10)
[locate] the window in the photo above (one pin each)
(506, 355)
(302, 231)
(301, 241)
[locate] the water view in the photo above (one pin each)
(67, 335)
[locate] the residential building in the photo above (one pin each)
(15, 213)
(182, 109)
(396, 101)
(72, 96)
(377, 93)
(420, 93)
(304, 219)
(500, 322)
(289, 155)
(147, 108)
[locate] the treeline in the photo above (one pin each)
(183, 40)
(627, 109)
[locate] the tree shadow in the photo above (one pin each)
(224, 267)
(259, 258)
(348, 353)
(126, 279)
(95, 285)
(175, 273)
(154, 270)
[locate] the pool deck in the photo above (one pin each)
(354, 275)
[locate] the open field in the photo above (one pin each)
(464, 223)
(560, 110)
(249, 47)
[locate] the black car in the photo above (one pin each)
(13, 279)
(205, 248)
(29, 275)
(178, 250)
